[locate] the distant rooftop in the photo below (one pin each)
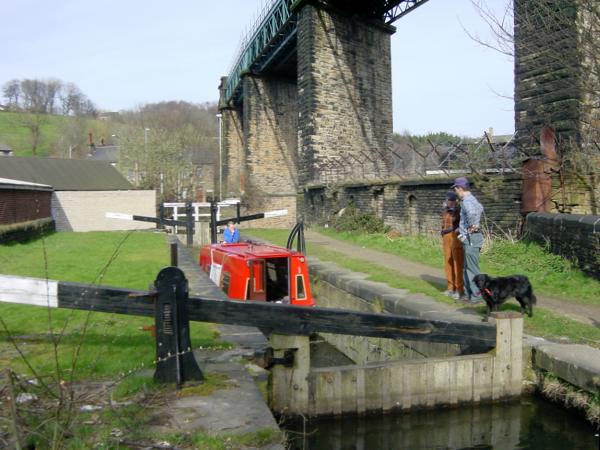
(107, 153)
(5, 148)
(200, 156)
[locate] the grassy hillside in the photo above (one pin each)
(15, 134)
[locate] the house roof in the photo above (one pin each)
(64, 174)
(9, 183)
(108, 153)
(200, 156)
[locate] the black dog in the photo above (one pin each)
(496, 291)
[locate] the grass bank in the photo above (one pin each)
(15, 133)
(550, 274)
(111, 344)
(85, 358)
(543, 323)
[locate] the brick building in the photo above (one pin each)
(82, 192)
(21, 201)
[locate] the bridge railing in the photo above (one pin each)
(271, 23)
(268, 24)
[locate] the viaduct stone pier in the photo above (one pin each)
(317, 110)
(307, 106)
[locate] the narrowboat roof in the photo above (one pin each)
(245, 249)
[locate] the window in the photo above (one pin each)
(300, 291)
(226, 282)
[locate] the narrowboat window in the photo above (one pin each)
(226, 282)
(300, 291)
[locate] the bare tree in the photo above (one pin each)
(157, 142)
(12, 92)
(53, 87)
(34, 123)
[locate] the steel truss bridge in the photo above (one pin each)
(273, 34)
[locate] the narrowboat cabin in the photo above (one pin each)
(258, 272)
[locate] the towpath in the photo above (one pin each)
(589, 314)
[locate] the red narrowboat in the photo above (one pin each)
(258, 272)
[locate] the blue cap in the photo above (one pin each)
(461, 182)
(450, 195)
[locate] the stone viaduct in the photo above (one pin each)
(308, 103)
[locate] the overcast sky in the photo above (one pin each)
(123, 53)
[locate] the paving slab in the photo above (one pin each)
(577, 364)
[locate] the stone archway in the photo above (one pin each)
(412, 217)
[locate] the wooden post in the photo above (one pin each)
(289, 393)
(508, 363)
(12, 400)
(213, 222)
(174, 256)
(189, 227)
(161, 216)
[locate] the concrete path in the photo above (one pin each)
(589, 314)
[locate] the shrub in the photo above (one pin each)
(25, 231)
(352, 220)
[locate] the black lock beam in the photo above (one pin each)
(175, 362)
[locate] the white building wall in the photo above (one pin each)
(86, 210)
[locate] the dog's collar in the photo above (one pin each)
(488, 292)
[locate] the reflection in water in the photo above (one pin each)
(529, 424)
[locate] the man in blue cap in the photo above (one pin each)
(469, 233)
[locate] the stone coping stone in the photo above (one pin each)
(395, 301)
(237, 409)
(577, 364)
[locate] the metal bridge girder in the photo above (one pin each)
(277, 26)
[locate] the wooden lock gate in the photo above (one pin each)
(172, 308)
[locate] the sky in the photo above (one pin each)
(125, 53)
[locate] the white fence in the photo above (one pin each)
(200, 209)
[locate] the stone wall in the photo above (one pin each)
(414, 206)
(574, 236)
(233, 152)
(557, 80)
(547, 71)
(85, 210)
(270, 122)
(344, 96)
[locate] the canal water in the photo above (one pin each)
(527, 424)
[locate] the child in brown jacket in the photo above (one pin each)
(453, 248)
